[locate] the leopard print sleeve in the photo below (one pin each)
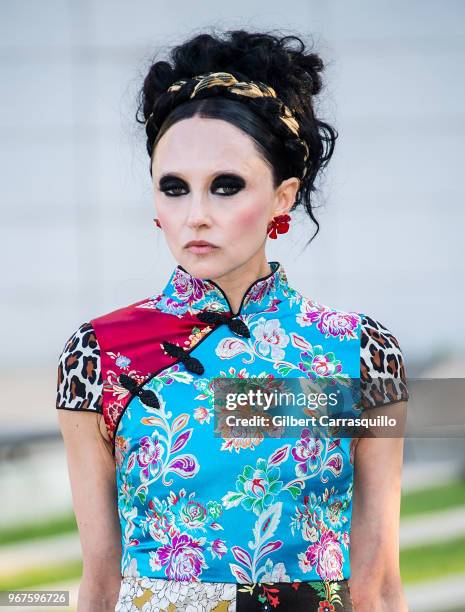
(382, 370)
(79, 384)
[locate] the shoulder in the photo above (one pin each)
(332, 322)
(380, 348)
(382, 368)
(79, 381)
(133, 323)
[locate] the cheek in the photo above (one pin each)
(172, 219)
(249, 219)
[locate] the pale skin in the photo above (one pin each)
(375, 582)
(91, 470)
(236, 220)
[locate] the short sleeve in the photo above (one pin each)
(79, 383)
(382, 371)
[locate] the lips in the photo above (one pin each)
(199, 243)
(200, 247)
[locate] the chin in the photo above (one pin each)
(203, 265)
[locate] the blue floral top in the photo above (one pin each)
(196, 506)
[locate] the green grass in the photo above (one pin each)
(71, 570)
(431, 561)
(433, 499)
(38, 529)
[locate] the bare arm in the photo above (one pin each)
(91, 470)
(375, 581)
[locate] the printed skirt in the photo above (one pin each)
(159, 595)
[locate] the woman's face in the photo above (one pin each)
(211, 184)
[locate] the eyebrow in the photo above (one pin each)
(174, 174)
(168, 176)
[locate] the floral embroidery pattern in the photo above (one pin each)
(314, 457)
(315, 363)
(149, 456)
(325, 551)
(182, 557)
(268, 342)
(326, 555)
(160, 595)
(271, 338)
(307, 452)
(249, 569)
(263, 501)
(272, 515)
(253, 436)
(335, 323)
(186, 294)
(317, 596)
(121, 361)
(157, 455)
(257, 487)
(177, 523)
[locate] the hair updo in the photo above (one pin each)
(280, 62)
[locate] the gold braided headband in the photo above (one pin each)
(252, 89)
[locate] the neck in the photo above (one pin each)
(235, 282)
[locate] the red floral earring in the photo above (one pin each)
(278, 225)
(157, 222)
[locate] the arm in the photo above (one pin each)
(375, 582)
(374, 551)
(91, 470)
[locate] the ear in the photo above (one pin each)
(285, 195)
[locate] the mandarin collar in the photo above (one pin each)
(185, 293)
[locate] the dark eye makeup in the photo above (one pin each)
(226, 184)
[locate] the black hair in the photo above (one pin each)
(282, 62)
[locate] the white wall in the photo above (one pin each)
(77, 237)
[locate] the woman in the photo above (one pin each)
(193, 519)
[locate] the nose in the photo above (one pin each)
(198, 214)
